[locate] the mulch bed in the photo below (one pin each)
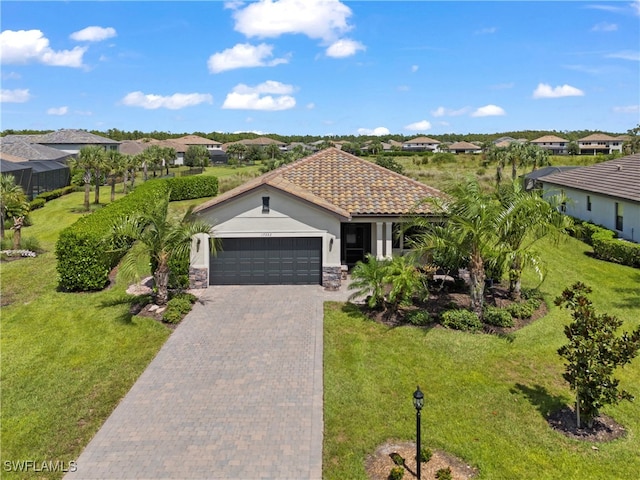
(604, 428)
(379, 464)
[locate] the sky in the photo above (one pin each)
(320, 67)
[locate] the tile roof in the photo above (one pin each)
(549, 139)
(19, 147)
(617, 178)
(597, 137)
(463, 146)
(342, 183)
(421, 140)
(195, 140)
(74, 136)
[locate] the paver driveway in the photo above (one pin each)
(235, 393)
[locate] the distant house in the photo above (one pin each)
(189, 140)
(301, 223)
(71, 141)
(421, 144)
(600, 143)
(464, 147)
(606, 193)
(260, 142)
(36, 168)
(555, 145)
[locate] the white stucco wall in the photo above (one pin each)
(287, 217)
(603, 210)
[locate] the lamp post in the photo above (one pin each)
(418, 403)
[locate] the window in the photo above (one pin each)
(588, 203)
(619, 214)
(265, 204)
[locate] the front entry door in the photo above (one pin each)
(356, 242)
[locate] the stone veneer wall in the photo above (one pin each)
(331, 277)
(198, 277)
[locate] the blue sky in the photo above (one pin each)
(321, 67)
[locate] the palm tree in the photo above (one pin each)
(272, 150)
(467, 237)
(13, 204)
(237, 150)
(368, 279)
(161, 238)
(88, 159)
(525, 219)
(114, 167)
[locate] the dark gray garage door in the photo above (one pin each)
(267, 261)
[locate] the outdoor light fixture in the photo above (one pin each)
(418, 403)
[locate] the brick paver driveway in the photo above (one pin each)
(235, 393)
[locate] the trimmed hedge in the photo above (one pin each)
(83, 261)
(36, 203)
(57, 193)
(187, 188)
(617, 250)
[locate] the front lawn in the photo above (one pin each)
(67, 359)
(486, 397)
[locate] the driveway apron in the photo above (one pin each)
(235, 393)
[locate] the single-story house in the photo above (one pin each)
(305, 222)
(464, 147)
(68, 140)
(606, 194)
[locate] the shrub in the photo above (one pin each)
(616, 250)
(444, 474)
(57, 193)
(521, 309)
(531, 294)
(425, 454)
(37, 203)
(84, 262)
(459, 319)
(390, 164)
(187, 188)
(419, 318)
(396, 473)
(178, 307)
(498, 317)
(31, 243)
(397, 458)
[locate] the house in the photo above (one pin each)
(600, 143)
(301, 223)
(464, 147)
(555, 145)
(36, 168)
(260, 142)
(189, 140)
(421, 144)
(606, 194)
(70, 141)
(532, 179)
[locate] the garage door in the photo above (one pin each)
(267, 261)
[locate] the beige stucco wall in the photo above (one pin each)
(287, 217)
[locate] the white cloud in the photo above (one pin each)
(627, 109)
(58, 111)
(311, 106)
(489, 111)
(244, 55)
(14, 96)
(319, 19)
(260, 97)
(24, 46)
(93, 34)
(378, 131)
(171, 102)
(604, 27)
(448, 112)
(233, 4)
(420, 126)
(486, 31)
(545, 90)
(344, 48)
(414, 68)
(636, 7)
(626, 55)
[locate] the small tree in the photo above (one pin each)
(196, 156)
(593, 353)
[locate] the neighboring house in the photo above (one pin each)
(600, 143)
(189, 140)
(421, 144)
(260, 142)
(36, 168)
(555, 145)
(464, 147)
(304, 222)
(136, 147)
(532, 179)
(606, 194)
(71, 141)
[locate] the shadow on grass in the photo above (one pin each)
(389, 318)
(629, 297)
(539, 397)
(135, 303)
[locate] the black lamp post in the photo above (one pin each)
(418, 402)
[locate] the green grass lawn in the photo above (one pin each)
(485, 397)
(67, 359)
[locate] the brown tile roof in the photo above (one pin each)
(549, 139)
(195, 140)
(596, 137)
(617, 178)
(344, 184)
(463, 146)
(421, 140)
